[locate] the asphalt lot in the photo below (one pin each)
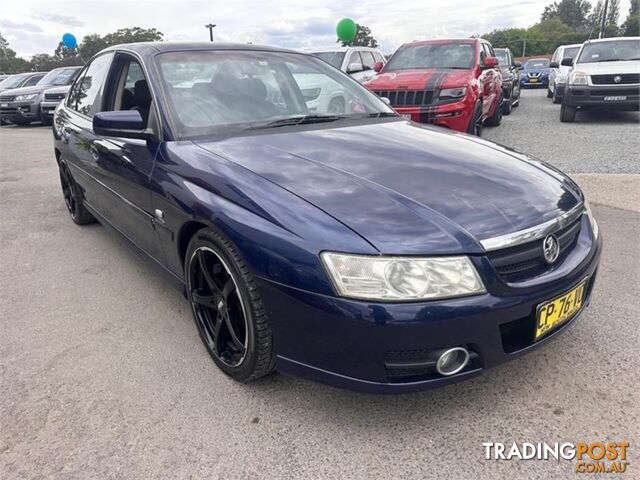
(103, 374)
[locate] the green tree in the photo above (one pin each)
(571, 12)
(132, 35)
(43, 62)
(613, 17)
(363, 38)
(9, 61)
(631, 26)
(90, 45)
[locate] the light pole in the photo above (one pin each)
(210, 26)
(603, 25)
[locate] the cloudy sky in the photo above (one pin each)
(35, 26)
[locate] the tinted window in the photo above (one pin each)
(35, 79)
(334, 58)
(367, 60)
(488, 50)
(86, 96)
(433, 55)
(503, 57)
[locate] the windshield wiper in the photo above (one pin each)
(300, 120)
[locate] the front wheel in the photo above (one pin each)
(227, 308)
(556, 99)
(496, 119)
(567, 113)
(475, 122)
(507, 106)
(549, 93)
(336, 106)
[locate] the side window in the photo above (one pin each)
(72, 97)
(354, 57)
(33, 80)
(127, 87)
(488, 51)
(483, 54)
(377, 57)
(367, 60)
(87, 95)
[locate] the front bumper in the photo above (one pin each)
(19, 112)
(349, 344)
(47, 109)
(537, 82)
(622, 97)
(454, 115)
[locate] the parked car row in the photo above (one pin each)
(32, 97)
(599, 74)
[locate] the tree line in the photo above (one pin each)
(567, 21)
(62, 56)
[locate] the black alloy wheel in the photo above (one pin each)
(495, 119)
(227, 308)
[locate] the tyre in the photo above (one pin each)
(475, 122)
(507, 106)
(336, 106)
(73, 198)
(495, 119)
(516, 102)
(227, 307)
(549, 93)
(567, 113)
(556, 99)
(46, 121)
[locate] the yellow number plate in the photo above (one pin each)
(533, 80)
(555, 312)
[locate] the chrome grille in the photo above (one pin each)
(52, 97)
(7, 98)
(514, 261)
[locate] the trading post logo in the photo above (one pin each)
(594, 457)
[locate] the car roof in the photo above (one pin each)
(445, 40)
(505, 49)
(338, 49)
(570, 46)
(148, 48)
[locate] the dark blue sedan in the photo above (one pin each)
(346, 245)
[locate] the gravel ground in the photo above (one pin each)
(103, 374)
(598, 142)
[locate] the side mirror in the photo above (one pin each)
(354, 68)
(490, 62)
(377, 67)
(517, 64)
(567, 62)
(554, 65)
(386, 100)
(122, 123)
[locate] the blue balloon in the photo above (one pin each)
(69, 40)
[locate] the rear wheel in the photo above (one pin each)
(227, 308)
(475, 122)
(556, 99)
(337, 106)
(73, 198)
(46, 120)
(507, 106)
(549, 93)
(567, 113)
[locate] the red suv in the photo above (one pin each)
(452, 83)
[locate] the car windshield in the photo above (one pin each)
(59, 76)
(503, 57)
(536, 63)
(570, 52)
(611, 51)
(210, 92)
(333, 58)
(433, 55)
(12, 81)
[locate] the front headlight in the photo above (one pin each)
(29, 96)
(577, 78)
(449, 93)
(594, 225)
(402, 278)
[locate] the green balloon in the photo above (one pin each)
(346, 30)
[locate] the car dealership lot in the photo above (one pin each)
(103, 373)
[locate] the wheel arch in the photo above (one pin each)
(185, 234)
